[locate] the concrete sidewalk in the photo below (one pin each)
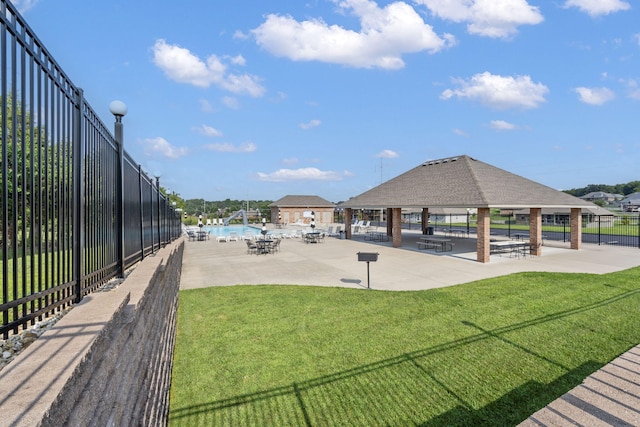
(609, 397)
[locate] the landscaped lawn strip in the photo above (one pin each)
(490, 352)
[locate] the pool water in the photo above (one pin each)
(228, 229)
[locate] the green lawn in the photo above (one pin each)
(490, 352)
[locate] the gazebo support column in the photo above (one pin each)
(535, 231)
(396, 214)
(389, 222)
(576, 228)
(348, 212)
(425, 220)
(484, 231)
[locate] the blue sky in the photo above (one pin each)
(249, 99)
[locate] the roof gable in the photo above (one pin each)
(302, 201)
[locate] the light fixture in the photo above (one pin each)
(118, 108)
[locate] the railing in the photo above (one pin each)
(617, 229)
(75, 210)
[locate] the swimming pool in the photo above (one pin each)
(226, 230)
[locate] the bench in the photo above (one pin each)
(445, 247)
(428, 245)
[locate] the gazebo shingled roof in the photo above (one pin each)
(462, 182)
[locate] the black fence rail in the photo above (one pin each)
(616, 229)
(75, 209)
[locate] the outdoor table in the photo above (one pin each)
(521, 236)
(376, 236)
(263, 246)
(456, 232)
(439, 243)
(312, 237)
(504, 246)
(202, 235)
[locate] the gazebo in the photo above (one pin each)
(464, 182)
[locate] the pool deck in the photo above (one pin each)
(609, 397)
(334, 263)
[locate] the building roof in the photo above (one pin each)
(462, 182)
(601, 195)
(633, 198)
(302, 202)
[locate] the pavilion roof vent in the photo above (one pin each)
(440, 161)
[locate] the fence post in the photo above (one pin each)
(141, 212)
(119, 109)
(159, 217)
(78, 198)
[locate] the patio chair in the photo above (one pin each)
(274, 246)
(252, 248)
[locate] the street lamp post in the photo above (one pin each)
(119, 109)
(264, 228)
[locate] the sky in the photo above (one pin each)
(256, 100)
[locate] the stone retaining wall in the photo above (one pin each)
(108, 361)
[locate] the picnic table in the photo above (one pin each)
(438, 243)
(376, 236)
(507, 246)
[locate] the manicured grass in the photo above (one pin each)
(490, 352)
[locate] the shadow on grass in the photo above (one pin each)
(403, 390)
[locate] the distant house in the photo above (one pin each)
(300, 209)
(562, 216)
(607, 198)
(631, 203)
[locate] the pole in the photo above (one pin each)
(120, 198)
(368, 283)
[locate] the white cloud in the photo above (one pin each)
(209, 131)
(387, 154)
(238, 60)
(312, 124)
(595, 95)
(501, 92)
(182, 66)
(24, 5)
(290, 161)
(226, 147)
(384, 36)
(231, 102)
(598, 7)
(502, 125)
(489, 18)
(302, 174)
(161, 146)
(205, 106)
(460, 132)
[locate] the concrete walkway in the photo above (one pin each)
(609, 397)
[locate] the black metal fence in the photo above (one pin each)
(616, 229)
(75, 209)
